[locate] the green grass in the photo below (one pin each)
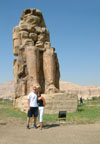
(89, 112)
(5, 102)
(8, 110)
(12, 112)
(85, 114)
(94, 102)
(50, 118)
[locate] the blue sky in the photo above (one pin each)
(74, 27)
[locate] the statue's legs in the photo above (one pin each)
(32, 59)
(49, 71)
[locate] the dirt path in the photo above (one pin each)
(16, 133)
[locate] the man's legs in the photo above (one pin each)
(35, 116)
(28, 121)
(29, 115)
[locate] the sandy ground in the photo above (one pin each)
(14, 132)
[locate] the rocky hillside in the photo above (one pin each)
(84, 91)
(7, 90)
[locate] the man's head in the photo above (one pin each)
(34, 89)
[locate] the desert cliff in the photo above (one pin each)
(87, 92)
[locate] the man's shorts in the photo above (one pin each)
(33, 112)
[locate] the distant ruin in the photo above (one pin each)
(36, 63)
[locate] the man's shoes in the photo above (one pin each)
(28, 127)
(35, 126)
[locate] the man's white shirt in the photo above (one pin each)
(32, 97)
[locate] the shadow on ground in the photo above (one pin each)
(3, 123)
(50, 126)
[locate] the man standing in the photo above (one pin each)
(32, 107)
(81, 100)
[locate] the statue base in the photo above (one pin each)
(54, 103)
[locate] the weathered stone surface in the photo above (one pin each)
(54, 103)
(37, 63)
(60, 102)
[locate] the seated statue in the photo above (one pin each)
(36, 63)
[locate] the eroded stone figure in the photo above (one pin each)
(36, 63)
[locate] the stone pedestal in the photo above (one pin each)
(60, 102)
(54, 103)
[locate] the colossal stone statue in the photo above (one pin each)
(36, 63)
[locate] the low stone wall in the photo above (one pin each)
(54, 103)
(60, 102)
